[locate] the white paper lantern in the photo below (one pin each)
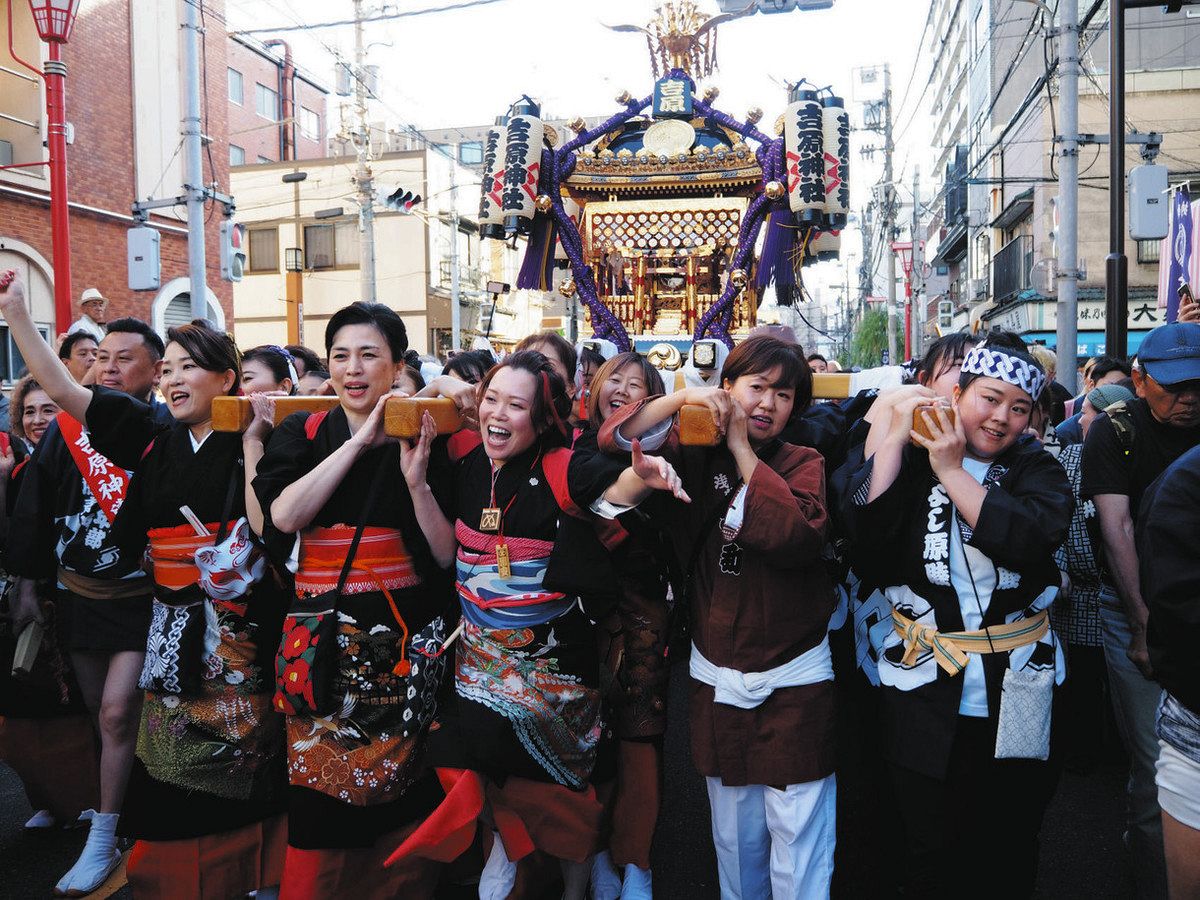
(491, 205)
(803, 136)
(522, 165)
(836, 164)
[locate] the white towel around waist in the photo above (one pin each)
(749, 689)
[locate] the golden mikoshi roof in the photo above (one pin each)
(728, 164)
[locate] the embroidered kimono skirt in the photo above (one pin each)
(213, 761)
(359, 773)
(527, 699)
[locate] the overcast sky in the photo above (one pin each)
(462, 67)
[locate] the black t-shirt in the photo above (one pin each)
(1107, 469)
(1170, 575)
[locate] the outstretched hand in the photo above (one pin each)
(657, 473)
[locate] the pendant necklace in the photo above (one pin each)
(492, 520)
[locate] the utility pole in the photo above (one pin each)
(455, 299)
(193, 140)
(918, 265)
(1068, 193)
(889, 216)
(362, 176)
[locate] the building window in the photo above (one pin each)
(331, 246)
(470, 153)
(310, 124)
(12, 364)
(266, 102)
(237, 155)
(1148, 251)
(237, 92)
(263, 244)
(265, 159)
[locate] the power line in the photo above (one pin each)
(466, 4)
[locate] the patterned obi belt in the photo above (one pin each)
(172, 554)
(381, 562)
(519, 601)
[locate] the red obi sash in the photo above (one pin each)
(173, 558)
(382, 562)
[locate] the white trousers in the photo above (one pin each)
(773, 843)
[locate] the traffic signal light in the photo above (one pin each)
(402, 200)
(233, 250)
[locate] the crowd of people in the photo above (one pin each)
(310, 660)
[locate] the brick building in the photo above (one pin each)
(276, 112)
(125, 108)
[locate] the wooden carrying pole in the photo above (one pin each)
(402, 416)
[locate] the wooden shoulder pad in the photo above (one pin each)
(402, 416)
(697, 428)
(831, 385)
(235, 413)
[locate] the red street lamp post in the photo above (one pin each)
(54, 20)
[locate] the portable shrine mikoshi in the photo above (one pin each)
(658, 210)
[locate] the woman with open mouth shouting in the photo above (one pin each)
(761, 713)
(360, 663)
(205, 795)
(521, 733)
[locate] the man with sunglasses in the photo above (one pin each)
(1125, 451)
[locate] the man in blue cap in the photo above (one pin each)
(1125, 451)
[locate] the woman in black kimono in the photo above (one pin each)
(206, 791)
(633, 646)
(356, 745)
(958, 529)
(523, 728)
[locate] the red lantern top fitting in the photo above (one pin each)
(54, 18)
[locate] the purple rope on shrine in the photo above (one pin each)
(632, 109)
(604, 323)
(536, 268)
(743, 128)
(719, 316)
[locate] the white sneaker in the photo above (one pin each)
(40, 820)
(99, 858)
(637, 884)
(499, 873)
(606, 880)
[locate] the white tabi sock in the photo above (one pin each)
(606, 881)
(637, 884)
(40, 819)
(99, 857)
(499, 873)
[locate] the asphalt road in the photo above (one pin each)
(1082, 853)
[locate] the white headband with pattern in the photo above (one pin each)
(983, 360)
